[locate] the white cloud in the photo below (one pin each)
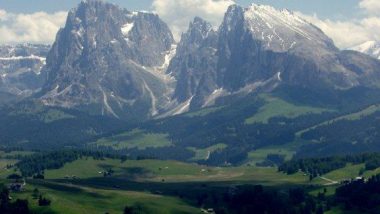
(39, 27)
(350, 33)
(347, 34)
(371, 6)
(178, 14)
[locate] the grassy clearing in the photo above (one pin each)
(275, 107)
(348, 172)
(70, 199)
(130, 169)
(261, 154)
(203, 154)
(354, 116)
(368, 174)
(45, 115)
(135, 139)
(53, 115)
(288, 150)
(4, 172)
(171, 171)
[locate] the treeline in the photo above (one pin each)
(27, 123)
(360, 195)
(255, 199)
(35, 164)
(319, 166)
(162, 153)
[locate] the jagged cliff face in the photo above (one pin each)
(195, 62)
(259, 48)
(109, 60)
(259, 42)
(20, 68)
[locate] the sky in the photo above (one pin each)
(325, 8)
(347, 22)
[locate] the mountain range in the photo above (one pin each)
(124, 64)
(109, 62)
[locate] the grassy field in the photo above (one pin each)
(277, 107)
(261, 154)
(203, 154)
(171, 171)
(135, 139)
(153, 183)
(348, 172)
(136, 181)
(71, 199)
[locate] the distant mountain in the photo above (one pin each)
(20, 69)
(371, 48)
(110, 61)
(259, 48)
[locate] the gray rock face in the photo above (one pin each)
(259, 41)
(125, 64)
(20, 68)
(195, 62)
(109, 60)
(260, 47)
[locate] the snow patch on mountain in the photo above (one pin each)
(126, 28)
(371, 48)
(279, 30)
(42, 59)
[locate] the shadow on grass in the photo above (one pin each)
(62, 186)
(189, 192)
(132, 173)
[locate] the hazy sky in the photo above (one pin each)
(347, 22)
(324, 8)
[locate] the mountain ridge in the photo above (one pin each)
(111, 61)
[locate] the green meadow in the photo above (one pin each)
(275, 107)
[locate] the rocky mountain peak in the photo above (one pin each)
(105, 59)
(126, 64)
(198, 31)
